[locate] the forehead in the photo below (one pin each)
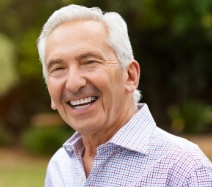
(77, 34)
(79, 29)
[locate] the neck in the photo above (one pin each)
(93, 139)
(91, 143)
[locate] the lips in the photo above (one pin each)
(82, 103)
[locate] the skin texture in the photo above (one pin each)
(81, 64)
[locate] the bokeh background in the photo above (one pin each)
(172, 41)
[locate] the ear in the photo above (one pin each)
(133, 76)
(53, 106)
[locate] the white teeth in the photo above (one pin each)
(86, 100)
(82, 101)
(81, 107)
(73, 102)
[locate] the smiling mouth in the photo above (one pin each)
(82, 103)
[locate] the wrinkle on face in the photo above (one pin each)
(112, 70)
(111, 63)
(75, 45)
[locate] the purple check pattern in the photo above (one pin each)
(139, 154)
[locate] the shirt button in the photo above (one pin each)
(69, 149)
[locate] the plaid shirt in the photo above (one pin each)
(139, 154)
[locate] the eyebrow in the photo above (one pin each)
(90, 54)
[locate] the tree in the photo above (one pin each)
(172, 41)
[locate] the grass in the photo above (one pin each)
(20, 176)
(19, 170)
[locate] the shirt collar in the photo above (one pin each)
(133, 136)
(74, 143)
(136, 133)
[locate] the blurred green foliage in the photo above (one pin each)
(172, 41)
(6, 138)
(45, 140)
(192, 117)
(8, 73)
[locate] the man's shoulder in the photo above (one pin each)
(59, 155)
(60, 152)
(177, 149)
(59, 171)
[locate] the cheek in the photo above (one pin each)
(103, 81)
(55, 89)
(111, 84)
(112, 74)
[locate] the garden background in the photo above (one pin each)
(172, 41)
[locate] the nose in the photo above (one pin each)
(75, 79)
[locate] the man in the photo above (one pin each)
(92, 80)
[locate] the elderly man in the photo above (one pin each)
(92, 80)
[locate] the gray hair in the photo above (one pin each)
(118, 38)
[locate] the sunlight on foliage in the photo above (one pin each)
(8, 74)
(207, 21)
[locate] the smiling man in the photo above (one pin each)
(92, 79)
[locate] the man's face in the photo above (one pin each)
(84, 77)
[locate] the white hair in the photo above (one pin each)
(118, 38)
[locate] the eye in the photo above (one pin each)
(56, 71)
(91, 62)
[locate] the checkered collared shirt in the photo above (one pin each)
(139, 154)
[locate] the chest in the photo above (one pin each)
(121, 168)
